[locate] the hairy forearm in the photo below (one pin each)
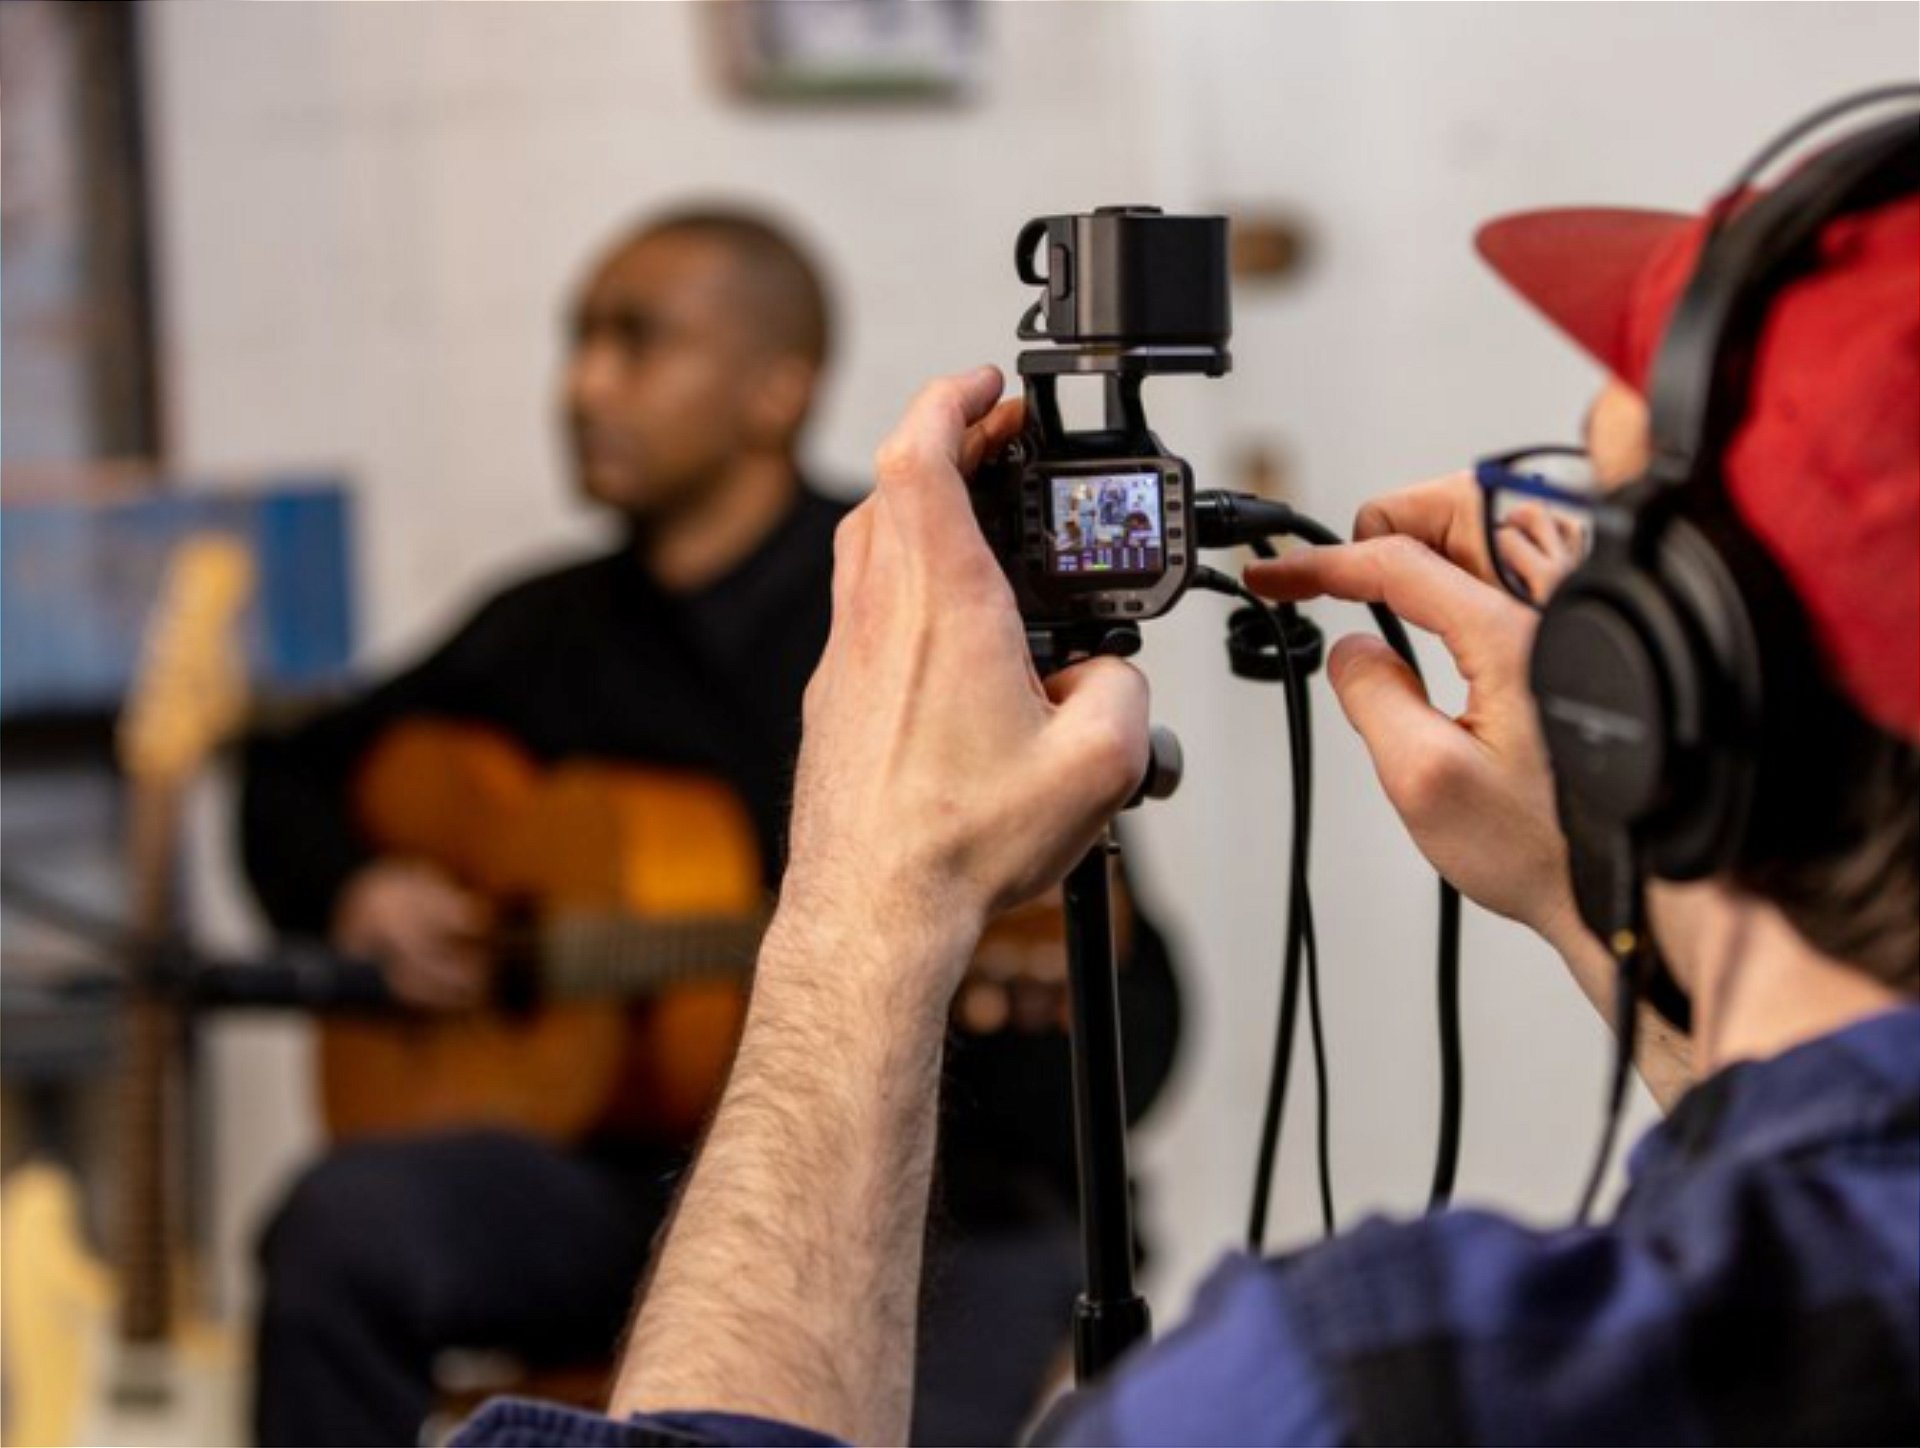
(788, 1282)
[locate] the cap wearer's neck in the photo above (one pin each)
(1757, 987)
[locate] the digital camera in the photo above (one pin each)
(1095, 527)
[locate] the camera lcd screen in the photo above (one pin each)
(1105, 524)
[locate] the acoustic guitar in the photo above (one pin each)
(104, 1356)
(634, 904)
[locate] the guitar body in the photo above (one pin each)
(593, 840)
(69, 1378)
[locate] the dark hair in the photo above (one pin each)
(1834, 840)
(787, 294)
(1837, 846)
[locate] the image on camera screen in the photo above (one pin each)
(1105, 524)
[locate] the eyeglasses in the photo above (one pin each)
(1537, 503)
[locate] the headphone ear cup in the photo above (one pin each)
(1604, 701)
(1707, 567)
(1648, 690)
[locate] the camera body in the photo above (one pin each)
(1088, 527)
(1094, 528)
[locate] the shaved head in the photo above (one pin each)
(780, 291)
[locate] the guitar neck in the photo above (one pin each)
(147, 1081)
(612, 956)
(191, 690)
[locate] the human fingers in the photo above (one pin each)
(930, 433)
(1561, 538)
(1443, 513)
(437, 979)
(1473, 619)
(1414, 747)
(444, 911)
(1573, 533)
(925, 511)
(1522, 553)
(1101, 720)
(993, 432)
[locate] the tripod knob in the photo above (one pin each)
(1166, 766)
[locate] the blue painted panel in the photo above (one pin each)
(77, 582)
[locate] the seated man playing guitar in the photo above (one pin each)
(583, 791)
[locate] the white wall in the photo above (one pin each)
(370, 214)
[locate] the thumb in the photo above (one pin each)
(1387, 707)
(1101, 716)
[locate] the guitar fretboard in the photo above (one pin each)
(613, 955)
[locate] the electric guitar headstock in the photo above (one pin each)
(190, 690)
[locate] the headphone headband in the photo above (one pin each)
(1696, 397)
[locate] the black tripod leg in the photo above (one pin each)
(1110, 1316)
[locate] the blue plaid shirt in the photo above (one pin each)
(1759, 1284)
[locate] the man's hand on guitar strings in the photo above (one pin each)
(427, 934)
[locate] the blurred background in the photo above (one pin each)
(308, 266)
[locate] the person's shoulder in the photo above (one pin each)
(559, 577)
(1469, 1325)
(537, 594)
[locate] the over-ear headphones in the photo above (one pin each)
(1665, 664)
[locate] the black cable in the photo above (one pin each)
(1300, 706)
(1316, 1029)
(1446, 1162)
(1626, 1024)
(1301, 956)
(1384, 618)
(1446, 1156)
(1224, 519)
(1292, 967)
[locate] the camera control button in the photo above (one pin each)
(1134, 605)
(1103, 606)
(1176, 532)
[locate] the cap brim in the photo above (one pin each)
(1579, 267)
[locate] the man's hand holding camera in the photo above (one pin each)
(940, 779)
(940, 782)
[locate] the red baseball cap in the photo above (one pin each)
(1825, 468)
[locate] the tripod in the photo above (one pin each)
(1110, 1315)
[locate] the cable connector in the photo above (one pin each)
(1226, 520)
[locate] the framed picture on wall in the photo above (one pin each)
(779, 50)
